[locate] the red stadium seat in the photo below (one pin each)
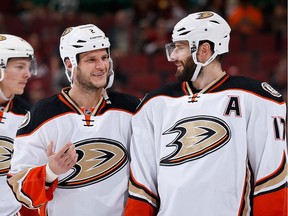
(268, 61)
(131, 64)
(162, 65)
(243, 61)
(236, 43)
(260, 43)
(145, 82)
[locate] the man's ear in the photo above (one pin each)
(68, 64)
(204, 52)
(205, 48)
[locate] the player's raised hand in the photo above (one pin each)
(63, 160)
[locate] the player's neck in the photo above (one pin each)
(85, 99)
(207, 75)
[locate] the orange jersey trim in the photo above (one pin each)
(138, 208)
(34, 186)
(272, 204)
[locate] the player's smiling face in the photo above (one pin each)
(92, 70)
(16, 76)
(182, 58)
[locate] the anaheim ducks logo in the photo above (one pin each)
(204, 15)
(6, 149)
(98, 160)
(66, 31)
(2, 37)
(197, 137)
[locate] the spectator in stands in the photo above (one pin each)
(59, 79)
(279, 78)
(279, 23)
(120, 33)
(218, 6)
(2, 23)
(159, 38)
(245, 18)
(35, 91)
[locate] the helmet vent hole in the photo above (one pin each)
(206, 29)
(181, 29)
(184, 33)
(214, 21)
(77, 46)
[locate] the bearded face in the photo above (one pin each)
(185, 72)
(179, 52)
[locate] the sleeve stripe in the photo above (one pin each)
(280, 175)
(137, 189)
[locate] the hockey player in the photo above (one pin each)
(212, 144)
(71, 153)
(17, 63)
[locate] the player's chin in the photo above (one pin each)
(100, 83)
(19, 91)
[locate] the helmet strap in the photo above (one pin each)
(196, 72)
(109, 83)
(69, 75)
(110, 75)
(200, 65)
(3, 97)
(1, 73)
(105, 96)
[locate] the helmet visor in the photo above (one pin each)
(33, 66)
(178, 49)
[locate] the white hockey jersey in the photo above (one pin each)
(11, 117)
(219, 152)
(98, 183)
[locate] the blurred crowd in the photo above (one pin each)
(138, 31)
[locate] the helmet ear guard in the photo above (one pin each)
(12, 46)
(110, 75)
(1, 73)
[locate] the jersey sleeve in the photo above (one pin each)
(143, 198)
(267, 155)
(28, 173)
(30, 188)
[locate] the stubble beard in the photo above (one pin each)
(86, 83)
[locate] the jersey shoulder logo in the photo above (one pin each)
(197, 137)
(270, 89)
(98, 159)
(6, 149)
(25, 120)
